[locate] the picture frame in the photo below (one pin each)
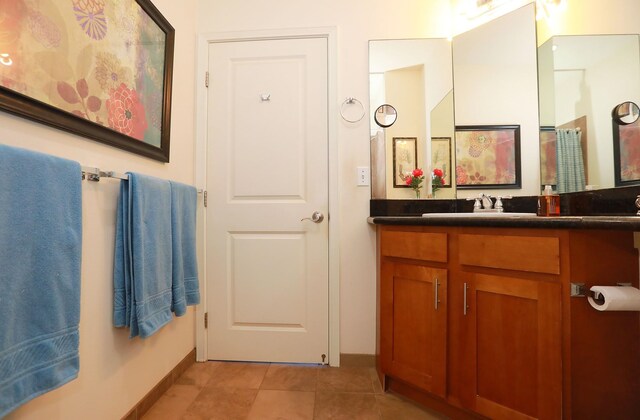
(441, 158)
(104, 74)
(548, 159)
(405, 154)
(626, 154)
(488, 156)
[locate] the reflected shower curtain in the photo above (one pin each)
(571, 176)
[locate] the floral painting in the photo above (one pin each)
(405, 153)
(101, 61)
(441, 158)
(488, 156)
(548, 166)
(627, 154)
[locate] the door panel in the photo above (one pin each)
(267, 160)
(515, 361)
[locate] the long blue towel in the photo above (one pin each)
(185, 265)
(40, 252)
(142, 267)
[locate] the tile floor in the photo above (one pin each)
(235, 390)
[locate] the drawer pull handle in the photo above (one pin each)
(435, 293)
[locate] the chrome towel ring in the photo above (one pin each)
(351, 101)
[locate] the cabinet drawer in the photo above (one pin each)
(524, 253)
(415, 245)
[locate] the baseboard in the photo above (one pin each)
(357, 360)
(161, 387)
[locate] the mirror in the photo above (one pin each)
(415, 76)
(626, 113)
(576, 19)
(585, 80)
(496, 106)
(385, 116)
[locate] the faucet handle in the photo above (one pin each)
(499, 199)
(477, 205)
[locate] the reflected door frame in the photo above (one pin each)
(330, 33)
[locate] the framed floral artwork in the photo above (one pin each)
(548, 165)
(626, 153)
(488, 156)
(405, 154)
(441, 158)
(101, 69)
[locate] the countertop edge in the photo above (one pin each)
(558, 222)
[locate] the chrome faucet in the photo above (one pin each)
(483, 203)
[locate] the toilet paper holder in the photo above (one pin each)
(580, 290)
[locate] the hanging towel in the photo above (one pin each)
(40, 252)
(183, 229)
(142, 265)
(571, 177)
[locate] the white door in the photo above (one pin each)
(267, 168)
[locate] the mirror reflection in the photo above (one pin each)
(385, 116)
(582, 79)
(414, 75)
(572, 98)
(626, 113)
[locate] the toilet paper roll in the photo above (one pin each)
(616, 298)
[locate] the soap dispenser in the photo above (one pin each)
(548, 202)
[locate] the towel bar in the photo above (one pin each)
(94, 174)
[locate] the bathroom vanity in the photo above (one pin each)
(476, 316)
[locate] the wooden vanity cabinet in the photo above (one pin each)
(512, 343)
(413, 308)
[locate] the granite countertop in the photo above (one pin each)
(558, 222)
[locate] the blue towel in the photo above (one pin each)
(142, 266)
(183, 229)
(40, 250)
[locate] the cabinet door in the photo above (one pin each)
(413, 322)
(513, 364)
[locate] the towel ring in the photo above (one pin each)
(351, 101)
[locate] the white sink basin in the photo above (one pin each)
(482, 214)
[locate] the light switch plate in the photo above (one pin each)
(363, 176)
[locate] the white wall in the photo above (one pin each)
(116, 372)
(357, 21)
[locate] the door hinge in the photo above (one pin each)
(205, 196)
(206, 319)
(206, 79)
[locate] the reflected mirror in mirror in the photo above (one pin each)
(582, 78)
(626, 113)
(385, 115)
(415, 76)
(496, 84)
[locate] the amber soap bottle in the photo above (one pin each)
(548, 202)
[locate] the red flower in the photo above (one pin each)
(408, 180)
(126, 112)
(417, 172)
(438, 172)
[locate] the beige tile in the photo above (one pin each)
(392, 407)
(238, 375)
(345, 406)
(173, 404)
(221, 403)
(375, 379)
(345, 379)
(199, 374)
(276, 405)
(290, 378)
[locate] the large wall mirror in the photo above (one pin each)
(414, 76)
(588, 61)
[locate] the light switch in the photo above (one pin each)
(363, 176)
